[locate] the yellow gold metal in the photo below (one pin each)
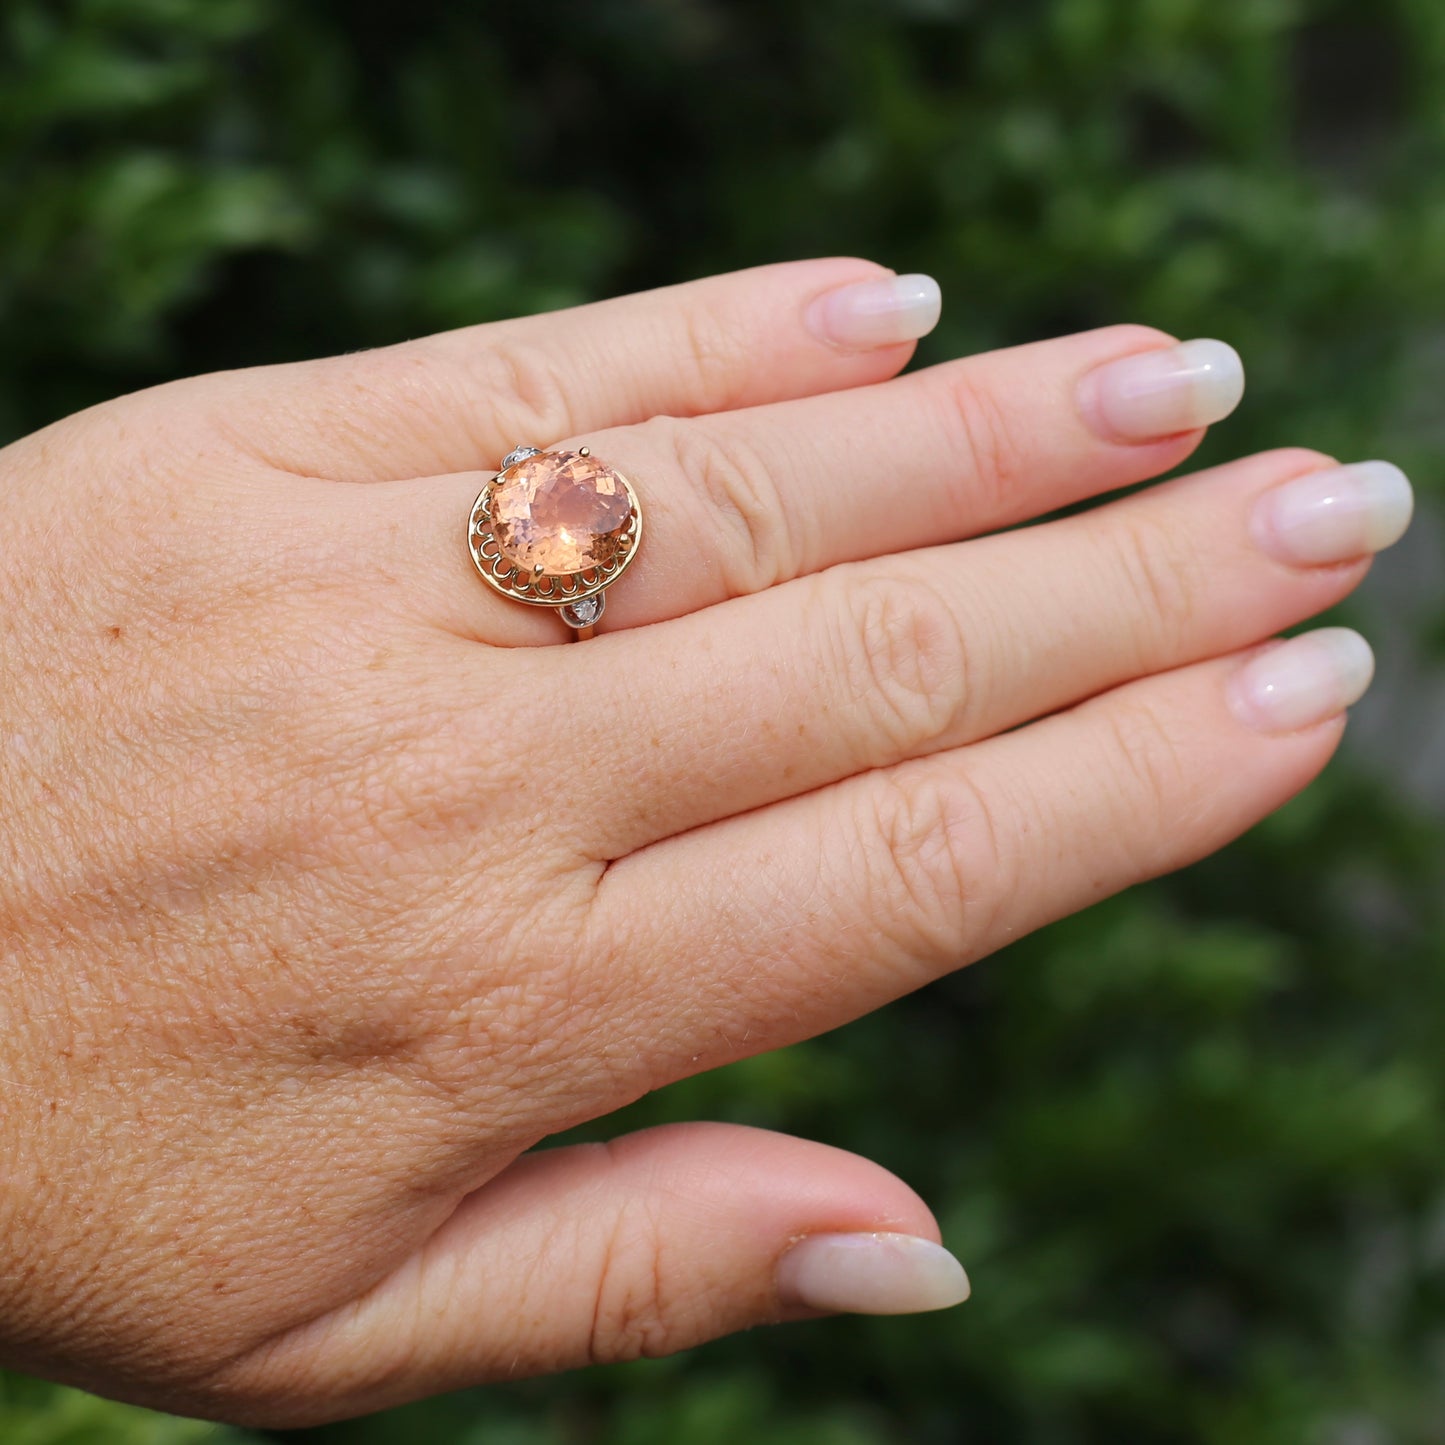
(535, 588)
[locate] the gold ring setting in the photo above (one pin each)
(555, 529)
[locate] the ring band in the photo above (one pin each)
(555, 529)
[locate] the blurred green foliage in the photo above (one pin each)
(1191, 1144)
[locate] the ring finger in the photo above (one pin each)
(738, 501)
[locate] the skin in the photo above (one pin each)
(332, 887)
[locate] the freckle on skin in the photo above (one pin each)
(116, 633)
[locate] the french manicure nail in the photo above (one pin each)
(1161, 393)
(1302, 681)
(871, 1274)
(1335, 515)
(870, 314)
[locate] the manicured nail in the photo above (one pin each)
(871, 1274)
(1302, 681)
(876, 313)
(1335, 515)
(1161, 393)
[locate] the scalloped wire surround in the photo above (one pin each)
(548, 590)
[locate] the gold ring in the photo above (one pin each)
(554, 529)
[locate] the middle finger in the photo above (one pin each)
(866, 665)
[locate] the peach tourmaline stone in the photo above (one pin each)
(561, 510)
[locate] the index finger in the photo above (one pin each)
(459, 400)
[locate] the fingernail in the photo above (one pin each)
(876, 313)
(871, 1274)
(1302, 681)
(1335, 515)
(1161, 393)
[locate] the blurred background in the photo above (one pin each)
(1191, 1144)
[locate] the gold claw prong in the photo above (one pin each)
(584, 452)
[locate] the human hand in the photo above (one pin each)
(331, 889)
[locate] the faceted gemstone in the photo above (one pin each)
(560, 510)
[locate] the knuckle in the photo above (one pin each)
(634, 1313)
(740, 502)
(1162, 578)
(521, 391)
(905, 658)
(719, 356)
(997, 455)
(1148, 759)
(465, 391)
(935, 869)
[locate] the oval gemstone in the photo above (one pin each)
(561, 511)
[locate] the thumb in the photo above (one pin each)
(598, 1252)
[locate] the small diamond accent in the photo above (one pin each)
(518, 454)
(584, 613)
